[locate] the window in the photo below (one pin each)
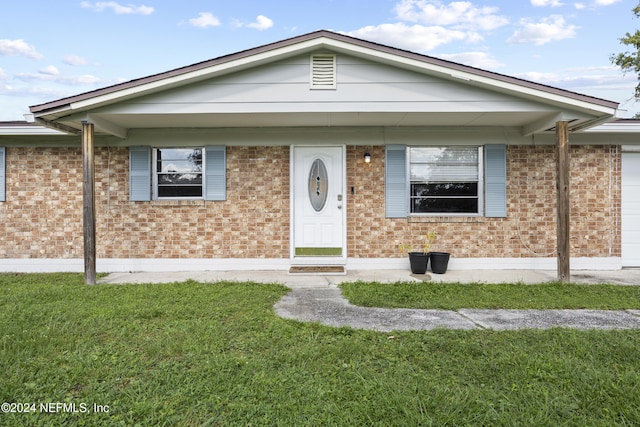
(177, 173)
(460, 180)
(445, 180)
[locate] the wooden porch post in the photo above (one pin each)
(88, 203)
(563, 186)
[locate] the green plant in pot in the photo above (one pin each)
(420, 260)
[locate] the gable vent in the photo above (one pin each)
(323, 71)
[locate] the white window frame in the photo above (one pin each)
(154, 173)
(480, 195)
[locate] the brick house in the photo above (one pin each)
(320, 149)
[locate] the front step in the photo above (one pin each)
(317, 269)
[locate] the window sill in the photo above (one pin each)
(178, 202)
(443, 218)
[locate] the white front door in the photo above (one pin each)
(631, 209)
(318, 202)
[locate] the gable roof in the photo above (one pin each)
(67, 113)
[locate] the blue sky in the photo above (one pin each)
(52, 49)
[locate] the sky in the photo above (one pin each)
(54, 49)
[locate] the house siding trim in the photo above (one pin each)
(3, 174)
(123, 265)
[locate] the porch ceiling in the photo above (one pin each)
(122, 123)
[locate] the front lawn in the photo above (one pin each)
(193, 354)
(455, 296)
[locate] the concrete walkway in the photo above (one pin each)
(329, 307)
(317, 298)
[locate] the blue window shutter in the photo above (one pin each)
(3, 193)
(215, 172)
(396, 201)
(495, 179)
(139, 174)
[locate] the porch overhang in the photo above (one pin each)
(525, 123)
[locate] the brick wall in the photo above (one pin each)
(529, 229)
(42, 217)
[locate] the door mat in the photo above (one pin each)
(317, 269)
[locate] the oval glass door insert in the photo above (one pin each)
(318, 185)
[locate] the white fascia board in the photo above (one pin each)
(53, 115)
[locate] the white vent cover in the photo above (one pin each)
(323, 71)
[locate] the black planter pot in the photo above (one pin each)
(439, 262)
(418, 261)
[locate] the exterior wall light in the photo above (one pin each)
(367, 158)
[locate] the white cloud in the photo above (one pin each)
(262, 23)
(18, 48)
(594, 4)
(535, 76)
(6, 89)
(74, 60)
(549, 29)
(544, 3)
(48, 75)
(49, 70)
(204, 19)
(417, 38)
(31, 91)
(130, 9)
(458, 14)
(474, 59)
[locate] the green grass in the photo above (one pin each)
(455, 296)
(193, 354)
